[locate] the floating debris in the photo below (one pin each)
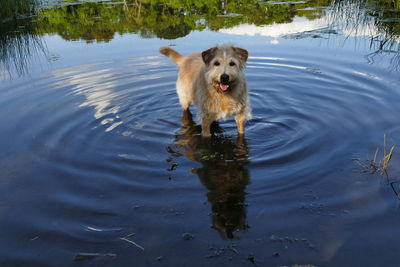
(87, 256)
(95, 229)
(231, 249)
(125, 238)
(251, 259)
(275, 238)
(287, 239)
(187, 236)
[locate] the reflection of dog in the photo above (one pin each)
(214, 82)
(223, 173)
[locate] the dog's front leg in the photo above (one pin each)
(205, 126)
(240, 121)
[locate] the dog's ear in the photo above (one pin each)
(208, 55)
(241, 53)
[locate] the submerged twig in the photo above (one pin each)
(125, 238)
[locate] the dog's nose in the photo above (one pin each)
(224, 78)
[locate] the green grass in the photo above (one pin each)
(380, 162)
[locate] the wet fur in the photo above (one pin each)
(199, 82)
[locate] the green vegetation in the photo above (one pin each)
(379, 164)
(24, 22)
(380, 16)
(101, 20)
(15, 8)
(18, 38)
(387, 156)
(163, 19)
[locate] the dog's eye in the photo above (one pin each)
(216, 63)
(232, 63)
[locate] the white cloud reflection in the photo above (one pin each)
(298, 25)
(97, 86)
(348, 25)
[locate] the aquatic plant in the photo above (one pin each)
(387, 156)
(375, 21)
(378, 164)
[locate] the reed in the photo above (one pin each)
(18, 38)
(387, 156)
(378, 164)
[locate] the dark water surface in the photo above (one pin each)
(95, 152)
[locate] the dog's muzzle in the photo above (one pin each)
(224, 82)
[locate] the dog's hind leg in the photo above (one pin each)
(184, 95)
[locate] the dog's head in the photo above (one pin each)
(225, 66)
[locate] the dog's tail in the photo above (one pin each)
(172, 54)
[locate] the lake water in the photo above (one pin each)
(100, 168)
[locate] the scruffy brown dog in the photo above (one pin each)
(214, 82)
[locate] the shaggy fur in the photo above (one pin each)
(214, 82)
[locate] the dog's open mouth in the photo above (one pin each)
(223, 87)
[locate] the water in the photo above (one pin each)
(94, 147)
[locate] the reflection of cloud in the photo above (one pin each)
(301, 25)
(3, 74)
(367, 30)
(104, 87)
(276, 30)
(97, 87)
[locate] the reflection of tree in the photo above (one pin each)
(15, 8)
(223, 173)
(376, 20)
(389, 26)
(388, 17)
(22, 24)
(159, 18)
(18, 40)
(358, 14)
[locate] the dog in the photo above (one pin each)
(214, 82)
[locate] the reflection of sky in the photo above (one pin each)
(298, 25)
(97, 87)
(3, 73)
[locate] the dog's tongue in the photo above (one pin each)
(223, 87)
